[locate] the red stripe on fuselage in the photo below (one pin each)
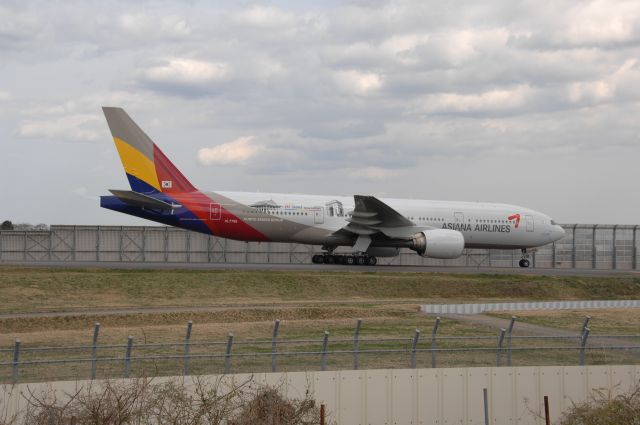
(225, 225)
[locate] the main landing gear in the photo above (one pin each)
(347, 260)
(524, 262)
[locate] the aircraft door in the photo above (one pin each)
(459, 217)
(215, 212)
(318, 216)
(529, 223)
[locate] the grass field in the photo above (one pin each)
(40, 289)
(247, 303)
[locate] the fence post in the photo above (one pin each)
(485, 397)
(127, 357)
(16, 361)
(433, 342)
(634, 249)
(94, 351)
(227, 356)
(509, 331)
(594, 251)
(323, 356)
(547, 417)
(356, 344)
(274, 348)
(499, 351)
(416, 337)
(187, 348)
(585, 324)
(614, 260)
(583, 344)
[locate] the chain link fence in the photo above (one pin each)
(608, 247)
(95, 360)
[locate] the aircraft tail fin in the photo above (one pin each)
(148, 169)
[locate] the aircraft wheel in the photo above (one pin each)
(328, 259)
(316, 259)
(524, 263)
(372, 261)
(349, 260)
(360, 260)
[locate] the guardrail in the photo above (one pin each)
(523, 306)
(92, 361)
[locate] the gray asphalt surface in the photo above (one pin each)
(323, 267)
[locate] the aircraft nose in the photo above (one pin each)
(558, 232)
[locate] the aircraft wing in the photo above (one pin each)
(371, 216)
(141, 200)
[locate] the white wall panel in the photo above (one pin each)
(453, 404)
(477, 379)
(422, 396)
(428, 397)
(377, 397)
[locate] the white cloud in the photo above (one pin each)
(328, 87)
(237, 151)
(82, 192)
(492, 100)
(373, 173)
(266, 17)
(402, 47)
(181, 70)
(143, 24)
(357, 82)
(80, 127)
(600, 22)
(607, 88)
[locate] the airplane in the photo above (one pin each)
(372, 227)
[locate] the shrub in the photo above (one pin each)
(602, 409)
(191, 402)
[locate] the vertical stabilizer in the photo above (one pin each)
(148, 169)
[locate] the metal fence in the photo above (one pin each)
(584, 247)
(95, 360)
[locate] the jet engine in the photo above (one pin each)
(438, 243)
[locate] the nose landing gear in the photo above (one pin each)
(524, 261)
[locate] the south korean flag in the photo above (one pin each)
(166, 184)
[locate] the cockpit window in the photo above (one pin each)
(553, 222)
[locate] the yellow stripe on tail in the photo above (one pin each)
(137, 164)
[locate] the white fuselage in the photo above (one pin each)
(483, 225)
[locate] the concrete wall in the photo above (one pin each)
(426, 396)
(585, 246)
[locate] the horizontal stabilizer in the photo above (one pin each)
(140, 200)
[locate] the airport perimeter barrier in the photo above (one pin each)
(524, 306)
(585, 246)
(476, 395)
(95, 360)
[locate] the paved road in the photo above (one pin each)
(521, 328)
(323, 267)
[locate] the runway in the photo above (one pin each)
(324, 267)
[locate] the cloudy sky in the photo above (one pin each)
(535, 103)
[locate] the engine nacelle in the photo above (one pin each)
(438, 243)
